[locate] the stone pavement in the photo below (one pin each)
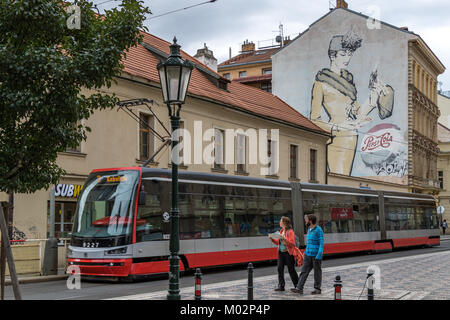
(422, 277)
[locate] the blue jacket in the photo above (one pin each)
(314, 243)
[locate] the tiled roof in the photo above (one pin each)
(249, 57)
(142, 63)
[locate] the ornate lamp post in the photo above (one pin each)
(174, 75)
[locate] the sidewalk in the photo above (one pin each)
(445, 238)
(33, 278)
(423, 277)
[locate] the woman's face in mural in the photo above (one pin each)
(342, 58)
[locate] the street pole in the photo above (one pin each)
(174, 259)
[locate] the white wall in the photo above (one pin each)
(386, 50)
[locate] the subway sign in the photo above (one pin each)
(68, 190)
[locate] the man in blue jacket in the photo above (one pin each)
(313, 256)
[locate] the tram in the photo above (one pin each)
(122, 226)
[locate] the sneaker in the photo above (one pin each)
(279, 289)
(295, 290)
(316, 291)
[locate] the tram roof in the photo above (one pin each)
(218, 177)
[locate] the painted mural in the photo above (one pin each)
(336, 105)
(351, 80)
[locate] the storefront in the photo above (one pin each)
(66, 195)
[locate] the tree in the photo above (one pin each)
(44, 66)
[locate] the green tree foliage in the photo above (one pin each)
(44, 69)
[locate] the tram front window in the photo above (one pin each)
(105, 210)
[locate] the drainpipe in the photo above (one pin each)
(326, 157)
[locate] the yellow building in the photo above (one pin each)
(443, 168)
(213, 103)
(251, 67)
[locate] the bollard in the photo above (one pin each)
(50, 266)
(250, 282)
(337, 288)
(198, 284)
(370, 282)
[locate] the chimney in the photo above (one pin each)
(206, 57)
(341, 4)
(248, 46)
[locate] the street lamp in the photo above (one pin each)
(174, 75)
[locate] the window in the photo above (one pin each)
(241, 152)
(293, 161)
(441, 179)
(219, 148)
(267, 71)
(64, 215)
(343, 213)
(78, 147)
(145, 136)
(226, 76)
(242, 74)
(266, 86)
(312, 165)
(272, 154)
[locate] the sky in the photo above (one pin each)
(228, 23)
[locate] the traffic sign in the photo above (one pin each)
(440, 209)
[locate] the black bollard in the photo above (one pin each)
(198, 284)
(250, 282)
(338, 288)
(370, 282)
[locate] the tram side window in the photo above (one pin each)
(149, 223)
(426, 217)
(398, 218)
(259, 218)
(208, 216)
(342, 213)
(235, 217)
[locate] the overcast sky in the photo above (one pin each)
(227, 23)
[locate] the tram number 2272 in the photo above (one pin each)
(90, 244)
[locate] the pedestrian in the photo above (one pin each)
(286, 245)
(444, 226)
(313, 256)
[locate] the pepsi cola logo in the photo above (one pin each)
(371, 143)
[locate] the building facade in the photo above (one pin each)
(443, 168)
(294, 145)
(252, 66)
(374, 87)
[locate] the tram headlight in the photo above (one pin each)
(117, 251)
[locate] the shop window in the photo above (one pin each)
(64, 215)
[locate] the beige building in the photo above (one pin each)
(443, 103)
(443, 168)
(213, 102)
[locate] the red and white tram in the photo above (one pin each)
(225, 220)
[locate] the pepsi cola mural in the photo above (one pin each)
(353, 82)
(365, 142)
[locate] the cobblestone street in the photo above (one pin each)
(423, 277)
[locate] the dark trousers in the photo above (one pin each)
(443, 230)
(310, 263)
(285, 259)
